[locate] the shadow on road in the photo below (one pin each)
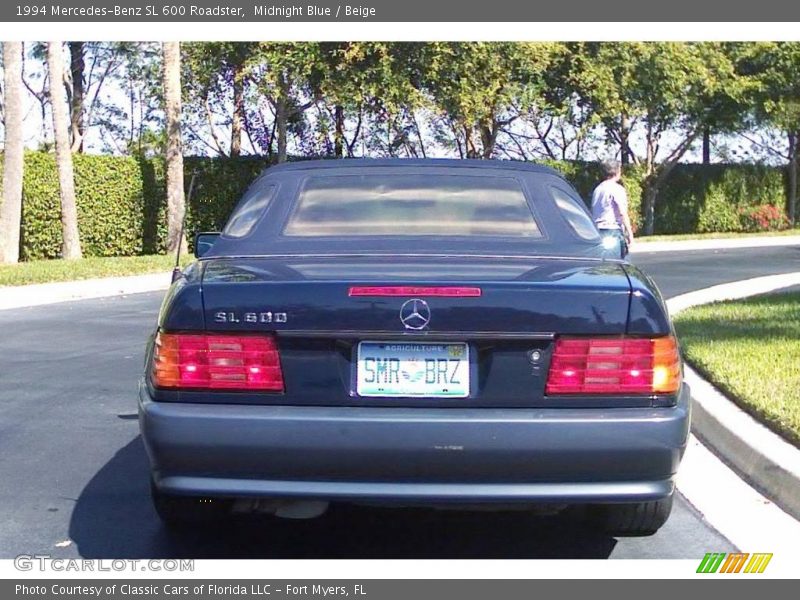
(113, 519)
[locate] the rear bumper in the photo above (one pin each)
(415, 455)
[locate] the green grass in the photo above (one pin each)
(43, 271)
(714, 236)
(750, 349)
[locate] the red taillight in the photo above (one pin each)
(614, 366)
(412, 290)
(217, 362)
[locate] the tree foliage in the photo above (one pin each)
(659, 87)
(650, 104)
(775, 94)
(478, 89)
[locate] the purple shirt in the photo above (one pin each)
(609, 203)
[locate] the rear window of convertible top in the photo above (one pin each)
(412, 205)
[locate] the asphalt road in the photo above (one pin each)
(74, 475)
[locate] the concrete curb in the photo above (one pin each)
(65, 291)
(715, 244)
(764, 459)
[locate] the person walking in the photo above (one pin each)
(610, 207)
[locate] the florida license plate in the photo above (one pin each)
(412, 369)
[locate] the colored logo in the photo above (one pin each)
(415, 371)
(734, 562)
(456, 351)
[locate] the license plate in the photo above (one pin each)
(413, 369)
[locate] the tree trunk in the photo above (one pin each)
(176, 206)
(469, 143)
(11, 206)
(282, 118)
(77, 66)
(238, 110)
(338, 136)
(624, 131)
(792, 200)
(649, 194)
(70, 239)
(650, 143)
(654, 181)
(488, 139)
(650, 185)
(706, 146)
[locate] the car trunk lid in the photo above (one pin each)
(308, 302)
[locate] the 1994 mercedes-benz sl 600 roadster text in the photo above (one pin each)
(413, 333)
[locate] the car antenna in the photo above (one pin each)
(176, 271)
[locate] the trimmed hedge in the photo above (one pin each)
(219, 183)
(110, 206)
(709, 198)
(697, 198)
(121, 200)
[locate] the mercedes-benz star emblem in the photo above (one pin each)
(415, 314)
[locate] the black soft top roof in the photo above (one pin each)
(348, 163)
(267, 237)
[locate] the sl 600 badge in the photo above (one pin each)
(250, 317)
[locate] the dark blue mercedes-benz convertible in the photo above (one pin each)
(413, 333)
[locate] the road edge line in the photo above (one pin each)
(38, 294)
(644, 247)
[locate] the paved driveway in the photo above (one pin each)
(73, 467)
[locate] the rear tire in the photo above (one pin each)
(629, 520)
(179, 512)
